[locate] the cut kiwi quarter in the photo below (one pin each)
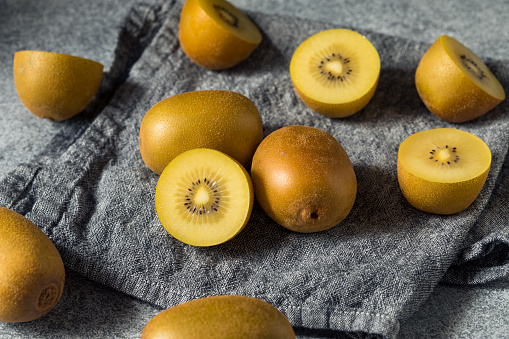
(454, 83)
(442, 170)
(335, 72)
(215, 34)
(204, 197)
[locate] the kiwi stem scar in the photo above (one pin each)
(48, 297)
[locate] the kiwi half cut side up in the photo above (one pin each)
(442, 170)
(335, 72)
(204, 197)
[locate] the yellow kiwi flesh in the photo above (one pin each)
(31, 270)
(223, 316)
(55, 86)
(442, 170)
(335, 72)
(303, 179)
(204, 197)
(454, 83)
(222, 120)
(215, 34)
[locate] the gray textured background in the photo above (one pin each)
(69, 27)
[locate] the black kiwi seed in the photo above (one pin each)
(210, 207)
(453, 150)
(472, 66)
(336, 77)
(227, 16)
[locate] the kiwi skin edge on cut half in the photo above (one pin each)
(442, 170)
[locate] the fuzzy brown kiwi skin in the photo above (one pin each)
(223, 120)
(221, 316)
(303, 179)
(437, 197)
(32, 271)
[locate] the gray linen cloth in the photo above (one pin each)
(92, 194)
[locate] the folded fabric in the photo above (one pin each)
(91, 192)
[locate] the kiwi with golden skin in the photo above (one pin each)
(55, 86)
(454, 83)
(335, 72)
(215, 34)
(223, 120)
(222, 316)
(303, 179)
(442, 170)
(31, 270)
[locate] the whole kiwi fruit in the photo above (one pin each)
(222, 316)
(226, 121)
(303, 179)
(31, 269)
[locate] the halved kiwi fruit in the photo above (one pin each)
(335, 72)
(454, 83)
(55, 86)
(204, 197)
(215, 34)
(442, 170)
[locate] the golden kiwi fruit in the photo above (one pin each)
(335, 72)
(55, 86)
(204, 197)
(223, 120)
(31, 270)
(442, 170)
(215, 34)
(222, 316)
(303, 179)
(454, 83)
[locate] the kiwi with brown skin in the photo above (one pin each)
(223, 316)
(454, 83)
(226, 121)
(31, 270)
(55, 86)
(215, 34)
(303, 179)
